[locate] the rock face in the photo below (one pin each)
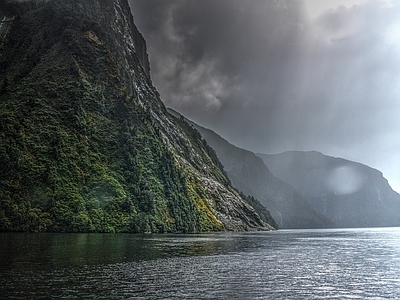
(86, 145)
(348, 193)
(249, 174)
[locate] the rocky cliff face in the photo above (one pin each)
(348, 193)
(86, 143)
(249, 174)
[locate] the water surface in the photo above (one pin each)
(286, 264)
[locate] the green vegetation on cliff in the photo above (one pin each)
(78, 151)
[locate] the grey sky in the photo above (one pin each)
(280, 75)
(315, 7)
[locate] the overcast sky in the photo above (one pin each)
(278, 75)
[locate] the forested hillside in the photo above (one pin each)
(86, 144)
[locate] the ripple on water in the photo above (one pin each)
(282, 265)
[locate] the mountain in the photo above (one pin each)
(348, 193)
(86, 144)
(250, 175)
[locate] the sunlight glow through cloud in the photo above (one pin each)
(393, 34)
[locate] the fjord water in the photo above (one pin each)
(286, 264)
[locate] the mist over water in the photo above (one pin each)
(288, 264)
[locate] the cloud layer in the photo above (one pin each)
(269, 79)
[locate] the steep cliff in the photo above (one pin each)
(348, 193)
(249, 174)
(86, 143)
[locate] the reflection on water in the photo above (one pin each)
(297, 264)
(65, 250)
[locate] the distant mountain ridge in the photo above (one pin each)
(249, 174)
(350, 194)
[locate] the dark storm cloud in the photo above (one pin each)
(221, 58)
(269, 80)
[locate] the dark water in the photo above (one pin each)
(297, 264)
